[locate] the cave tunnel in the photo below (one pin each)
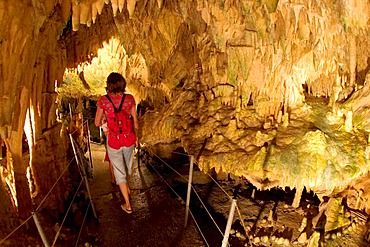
(268, 97)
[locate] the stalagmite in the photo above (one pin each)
(297, 197)
(337, 88)
(279, 117)
(358, 201)
(303, 224)
(286, 119)
(302, 238)
(348, 121)
(314, 239)
(270, 217)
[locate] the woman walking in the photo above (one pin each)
(120, 111)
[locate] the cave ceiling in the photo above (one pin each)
(274, 91)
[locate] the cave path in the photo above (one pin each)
(157, 219)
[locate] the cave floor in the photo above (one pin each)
(157, 218)
(263, 218)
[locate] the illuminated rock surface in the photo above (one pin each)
(274, 91)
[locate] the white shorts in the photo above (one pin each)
(121, 160)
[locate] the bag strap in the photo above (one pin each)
(120, 105)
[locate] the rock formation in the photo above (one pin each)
(274, 91)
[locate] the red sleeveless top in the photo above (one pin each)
(127, 140)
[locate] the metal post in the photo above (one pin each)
(101, 135)
(229, 223)
(83, 171)
(189, 189)
(88, 142)
(70, 111)
(82, 121)
(138, 154)
(40, 230)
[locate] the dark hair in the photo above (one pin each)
(116, 83)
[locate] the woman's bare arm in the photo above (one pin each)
(134, 117)
(98, 117)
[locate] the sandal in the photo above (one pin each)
(124, 208)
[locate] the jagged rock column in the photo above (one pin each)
(32, 63)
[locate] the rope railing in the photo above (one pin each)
(83, 172)
(178, 196)
(174, 152)
(73, 132)
(191, 187)
(237, 206)
(205, 207)
(83, 175)
(65, 216)
(52, 187)
(170, 167)
(196, 193)
(84, 178)
(15, 229)
(42, 201)
(219, 185)
(173, 190)
(198, 227)
(83, 222)
(90, 204)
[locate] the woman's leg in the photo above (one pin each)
(124, 190)
(112, 178)
(118, 162)
(128, 156)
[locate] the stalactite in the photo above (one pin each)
(279, 117)
(89, 20)
(352, 58)
(114, 7)
(297, 11)
(121, 5)
(100, 5)
(75, 16)
(85, 9)
(94, 12)
(66, 10)
(160, 3)
(131, 4)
